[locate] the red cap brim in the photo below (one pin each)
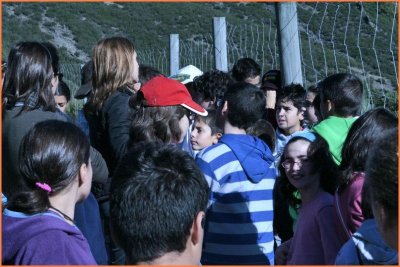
(196, 108)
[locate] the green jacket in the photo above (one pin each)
(334, 130)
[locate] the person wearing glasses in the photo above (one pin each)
(307, 166)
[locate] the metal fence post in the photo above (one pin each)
(174, 53)
(289, 45)
(220, 50)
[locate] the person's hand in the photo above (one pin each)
(281, 253)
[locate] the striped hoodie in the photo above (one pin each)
(240, 172)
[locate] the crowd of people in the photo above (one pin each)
(199, 168)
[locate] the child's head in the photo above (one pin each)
(382, 183)
(244, 104)
(247, 70)
(341, 95)
(146, 73)
(362, 135)
(86, 81)
(264, 130)
(114, 66)
(163, 107)
(306, 162)
(205, 131)
(312, 113)
(290, 108)
(30, 77)
(158, 202)
(271, 84)
(209, 88)
(62, 96)
(53, 155)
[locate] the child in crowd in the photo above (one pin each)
(366, 245)
(209, 88)
(84, 92)
(186, 75)
(158, 202)
(307, 166)
(29, 88)
(382, 182)
(38, 222)
(115, 71)
(312, 114)
(205, 131)
(162, 107)
(247, 70)
(271, 86)
(265, 131)
(341, 98)
(290, 108)
(241, 174)
(146, 73)
(362, 135)
(28, 97)
(62, 96)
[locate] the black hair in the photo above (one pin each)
(146, 73)
(345, 91)
(245, 68)
(246, 104)
(156, 193)
(360, 138)
(264, 130)
(319, 156)
(52, 152)
(366, 208)
(87, 72)
(313, 89)
(381, 176)
(271, 80)
(294, 93)
(63, 90)
(210, 120)
(55, 60)
(28, 78)
(211, 86)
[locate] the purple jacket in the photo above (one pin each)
(42, 239)
(348, 213)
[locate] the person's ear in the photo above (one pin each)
(197, 231)
(330, 106)
(54, 83)
(300, 113)
(85, 174)
(216, 137)
(224, 108)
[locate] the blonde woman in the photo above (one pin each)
(115, 73)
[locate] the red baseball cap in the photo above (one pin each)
(162, 91)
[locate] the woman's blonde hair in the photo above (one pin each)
(113, 67)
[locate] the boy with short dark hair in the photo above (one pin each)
(247, 70)
(289, 113)
(341, 98)
(158, 199)
(205, 131)
(240, 171)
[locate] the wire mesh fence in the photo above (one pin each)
(334, 37)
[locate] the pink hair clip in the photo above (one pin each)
(43, 186)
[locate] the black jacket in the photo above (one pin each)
(109, 130)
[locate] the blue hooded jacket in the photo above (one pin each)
(241, 174)
(366, 247)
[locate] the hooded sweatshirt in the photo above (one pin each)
(366, 247)
(334, 130)
(42, 239)
(240, 172)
